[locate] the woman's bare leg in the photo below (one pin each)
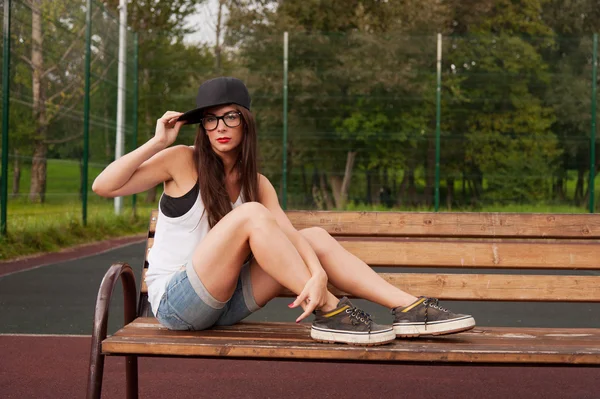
(250, 227)
(352, 275)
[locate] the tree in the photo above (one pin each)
(341, 54)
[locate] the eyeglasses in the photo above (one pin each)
(231, 119)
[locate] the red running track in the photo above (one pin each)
(56, 367)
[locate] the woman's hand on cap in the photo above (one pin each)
(167, 127)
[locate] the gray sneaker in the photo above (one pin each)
(426, 317)
(350, 325)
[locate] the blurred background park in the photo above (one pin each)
(352, 111)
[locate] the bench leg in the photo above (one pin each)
(123, 272)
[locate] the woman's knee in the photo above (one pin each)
(320, 240)
(254, 214)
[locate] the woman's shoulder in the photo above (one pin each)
(265, 188)
(182, 153)
(262, 179)
(182, 157)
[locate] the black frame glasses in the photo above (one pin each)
(237, 122)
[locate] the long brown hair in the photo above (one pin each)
(211, 171)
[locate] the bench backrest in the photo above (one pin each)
(465, 242)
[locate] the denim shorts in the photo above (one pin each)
(187, 304)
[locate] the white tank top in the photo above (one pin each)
(175, 240)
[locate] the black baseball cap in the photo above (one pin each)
(218, 91)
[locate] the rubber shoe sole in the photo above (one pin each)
(353, 338)
(453, 326)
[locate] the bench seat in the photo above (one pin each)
(272, 340)
(451, 256)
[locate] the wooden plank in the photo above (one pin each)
(492, 287)
(564, 335)
(424, 224)
(496, 345)
(265, 333)
(444, 253)
(464, 254)
(485, 287)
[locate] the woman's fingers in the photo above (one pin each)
(172, 114)
(307, 311)
(170, 117)
(299, 299)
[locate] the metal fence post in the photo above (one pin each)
(438, 112)
(135, 105)
(86, 110)
(285, 120)
(121, 93)
(5, 114)
(593, 132)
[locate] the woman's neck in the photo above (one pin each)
(229, 166)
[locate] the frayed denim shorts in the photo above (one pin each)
(187, 304)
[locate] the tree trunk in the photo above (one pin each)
(464, 187)
(150, 194)
(340, 186)
(476, 180)
(218, 37)
(401, 198)
(108, 151)
(412, 188)
(16, 175)
(578, 196)
(558, 189)
(336, 188)
(38, 173)
(317, 196)
(324, 192)
(305, 189)
(450, 193)
(347, 176)
(429, 172)
(38, 163)
(368, 197)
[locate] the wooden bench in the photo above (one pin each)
(418, 240)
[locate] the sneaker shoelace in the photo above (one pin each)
(432, 303)
(360, 316)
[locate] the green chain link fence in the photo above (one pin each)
(346, 121)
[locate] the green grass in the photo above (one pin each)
(62, 181)
(57, 224)
(33, 233)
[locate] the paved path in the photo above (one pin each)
(56, 294)
(59, 298)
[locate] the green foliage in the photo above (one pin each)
(48, 233)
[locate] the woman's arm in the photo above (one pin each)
(268, 197)
(144, 167)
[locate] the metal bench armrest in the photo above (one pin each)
(123, 272)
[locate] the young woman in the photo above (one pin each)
(223, 246)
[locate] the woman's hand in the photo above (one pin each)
(314, 295)
(167, 128)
